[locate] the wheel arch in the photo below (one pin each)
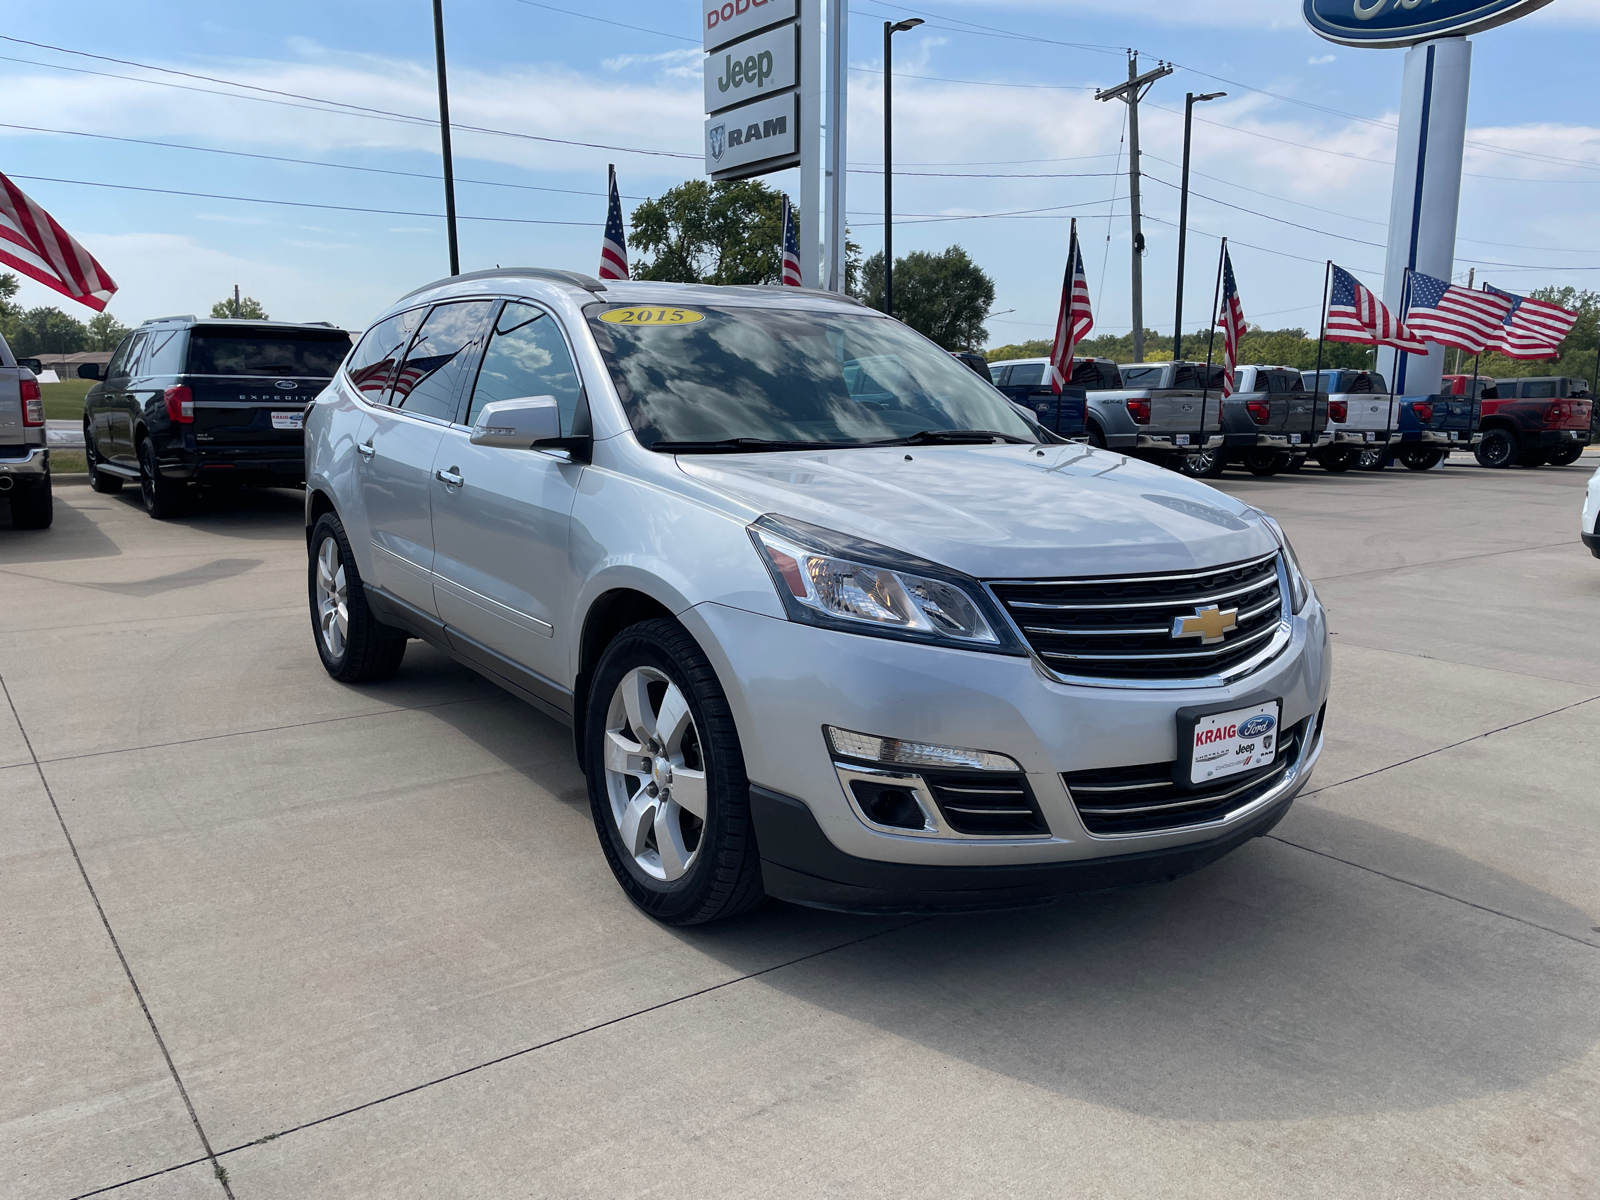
(611, 612)
(317, 503)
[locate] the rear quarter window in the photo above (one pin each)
(305, 355)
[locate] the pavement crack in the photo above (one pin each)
(122, 958)
(1422, 887)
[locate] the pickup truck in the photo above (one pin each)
(1429, 427)
(1530, 422)
(1269, 424)
(24, 457)
(1361, 419)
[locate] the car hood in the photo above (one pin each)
(998, 512)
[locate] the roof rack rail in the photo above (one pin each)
(802, 291)
(158, 320)
(574, 278)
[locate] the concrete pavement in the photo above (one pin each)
(360, 942)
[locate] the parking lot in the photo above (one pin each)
(272, 936)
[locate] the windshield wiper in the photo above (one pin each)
(955, 437)
(739, 445)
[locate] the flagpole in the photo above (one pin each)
(1322, 334)
(1400, 356)
(444, 138)
(1066, 285)
(1211, 341)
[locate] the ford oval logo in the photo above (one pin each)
(1257, 725)
(1406, 22)
(286, 385)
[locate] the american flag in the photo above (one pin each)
(791, 248)
(1531, 328)
(1075, 320)
(1452, 315)
(1356, 315)
(1231, 321)
(33, 243)
(614, 247)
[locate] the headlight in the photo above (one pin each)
(840, 582)
(1299, 585)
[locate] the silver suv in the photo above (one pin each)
(830, 619)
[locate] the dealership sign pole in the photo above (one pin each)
(1431, 141)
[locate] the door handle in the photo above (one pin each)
(366, 451)
(449, 478)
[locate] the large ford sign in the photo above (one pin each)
(1406, 22)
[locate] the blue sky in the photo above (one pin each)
(996, 94)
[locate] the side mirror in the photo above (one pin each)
(89, 371)
(518, 424)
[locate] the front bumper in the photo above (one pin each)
(1009, 705)
(34, 465)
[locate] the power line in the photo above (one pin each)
(1264, 216)
(602, 20)
(1052, 87)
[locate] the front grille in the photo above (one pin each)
(986, 803)
(1122, 628)
(1145, 799)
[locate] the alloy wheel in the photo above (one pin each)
(333, 608)
(655, 774)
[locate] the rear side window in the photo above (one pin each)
(125, 353)
(1027, 375)
(1539, 389)
(1140, 376)
(527, 356)
(437, 365)
(372, 366)
(1184, 377)
(296, 353)
(163, 353)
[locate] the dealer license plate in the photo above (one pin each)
(1182, 439)
(1372, 437)
(288, 420)
(1294, 439)
(1228, 743)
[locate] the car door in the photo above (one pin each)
(501, 530)
(118, 400)
(395, 373)
(97, 401)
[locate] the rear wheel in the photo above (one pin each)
(667, 787)
(1337, 458)
(354, 646)
(100, 481)
(1372, 460)
(1566, 455)
(1497, 448)
(163, 498)
(32, 506)
(1265, 462)
(1097, 439)
(1207, 464)
(1296, 463)
(1421, 460)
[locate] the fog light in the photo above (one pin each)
(885, 805)
(849, 744)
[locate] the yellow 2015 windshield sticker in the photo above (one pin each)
(651, 316)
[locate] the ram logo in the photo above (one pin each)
(718, 134)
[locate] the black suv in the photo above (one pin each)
(186, 402)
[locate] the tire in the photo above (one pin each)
(106, 485)
(1263, 463)
(1497, 449)
(32, 506)
(1297, 464)
(676, 865)
(1207, 464)
(1421, 460)
(1097, 439)
(163, 498)
(1565, 456)
(1337, 459)
(358, 649)
(1373, 460)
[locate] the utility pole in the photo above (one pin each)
(1189, 101)
(236, 300)
(1131, 93)
(890, 28)
(444, 137)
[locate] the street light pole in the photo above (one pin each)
(890, 28)
(444, 137)
(1189, 101)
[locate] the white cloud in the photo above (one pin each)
(1318, 60)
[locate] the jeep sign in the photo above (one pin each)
(1385, 23)
(753, 69)
(764, 136)
(729, 20)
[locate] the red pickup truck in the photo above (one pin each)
(1529, 422)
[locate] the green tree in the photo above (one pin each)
(105, 331)
(9, 311)
(46, 330)
(943, 296)
(704, 232)
(249, 308)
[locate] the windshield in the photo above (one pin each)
(713, 373)
(267, 354)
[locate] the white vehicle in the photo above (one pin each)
(829, 621)
(1590, 524)
(24, 456)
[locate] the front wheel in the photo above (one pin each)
(1207, 464)
(106, 485)
(1497, 448)
(1373, 460)
(1265, 462)
(1566, 455)
(667, 787)
(1421, 460)
(1337, 458)
(353, 645)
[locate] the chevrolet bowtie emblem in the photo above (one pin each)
(1209, 624)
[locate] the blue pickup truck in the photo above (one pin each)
(1066, 414)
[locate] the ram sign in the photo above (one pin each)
(1384, 23)
(754, 139)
